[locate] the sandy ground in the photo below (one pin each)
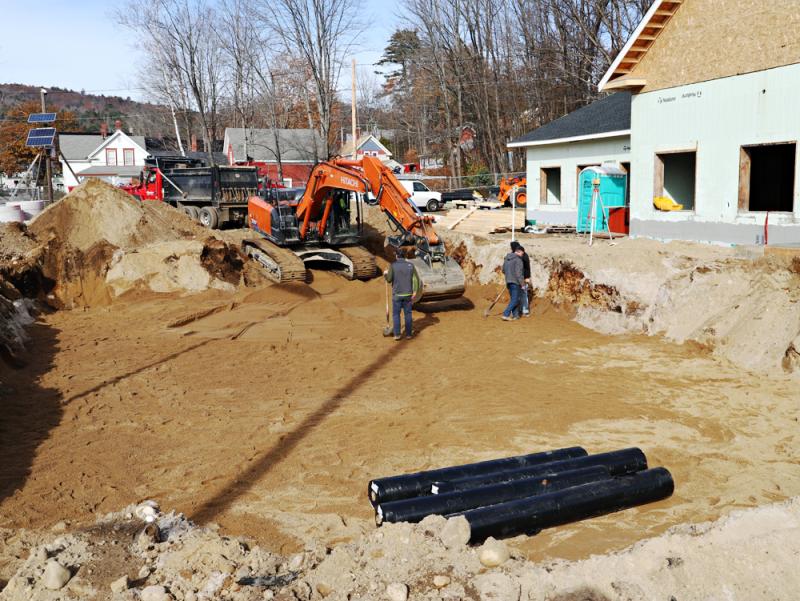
(268, 411)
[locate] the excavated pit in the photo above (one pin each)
(266, 409)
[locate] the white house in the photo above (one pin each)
(558, 151)
(116, 158)
(714, 120)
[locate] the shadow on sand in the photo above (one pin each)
(28, 410)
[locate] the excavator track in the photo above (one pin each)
(281, 264)
(364, 266)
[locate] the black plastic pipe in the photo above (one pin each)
(618, 463)
(406, 486)
(418, 508)
(528, 516)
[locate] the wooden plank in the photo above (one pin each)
(745, 167)
(658, 173)
(542, 187)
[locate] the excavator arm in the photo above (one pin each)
(394, 201)
(440, 276)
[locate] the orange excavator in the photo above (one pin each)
(322, 225)
(505, 194)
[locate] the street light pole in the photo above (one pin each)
(48, 166)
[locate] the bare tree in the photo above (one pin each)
(182, 41)
(321, 32)
(503, 67)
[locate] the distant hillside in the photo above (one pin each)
(139, 118)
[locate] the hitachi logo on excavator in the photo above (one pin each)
(353, 183)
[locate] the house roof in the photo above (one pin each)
(365, 142)
(120, 170)
(604, 118)
(304, 145)
(655, 20)
(77, 147)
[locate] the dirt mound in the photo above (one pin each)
(97, 211)
(101, 242)
(98, 243)
(742, 306)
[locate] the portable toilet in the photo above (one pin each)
(613, 183)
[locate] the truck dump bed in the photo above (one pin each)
(226, 185)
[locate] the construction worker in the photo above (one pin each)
(405, 284)
(514, 273)
(526, 268)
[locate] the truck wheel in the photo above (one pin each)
(209, 217)
(190, 211)
(432, 205)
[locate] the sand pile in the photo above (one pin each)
(96, 211)
(124, 557)
(102, 243)
(741, 305)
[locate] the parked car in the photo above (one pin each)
(423, 197)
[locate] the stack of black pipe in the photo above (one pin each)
(524, 494)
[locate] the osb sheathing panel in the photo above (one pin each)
(710, 39)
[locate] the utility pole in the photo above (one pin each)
(48, 167)
(353, 111)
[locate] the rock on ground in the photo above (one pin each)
(399, 561)
(55, 575)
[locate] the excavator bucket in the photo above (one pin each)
(441, 280)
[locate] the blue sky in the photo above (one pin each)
(76, 44)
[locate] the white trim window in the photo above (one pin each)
(111, 157)
(128, 156)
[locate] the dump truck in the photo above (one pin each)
(211, 194)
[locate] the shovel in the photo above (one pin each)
(387, 329)
(494, 302)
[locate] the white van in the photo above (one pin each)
(423, 197)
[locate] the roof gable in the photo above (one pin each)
(651, 26)
(373, 145)
(367, 143)
(704, 40)
(607, 117)
(136, 140)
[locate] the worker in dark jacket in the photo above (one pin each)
(526, 267)
(405, 284)
(514, 273)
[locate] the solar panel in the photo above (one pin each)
(41, 137)
(41, 117)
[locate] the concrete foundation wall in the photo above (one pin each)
(551, 217)
(568, 157)
(725, 233)
(715, 119)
